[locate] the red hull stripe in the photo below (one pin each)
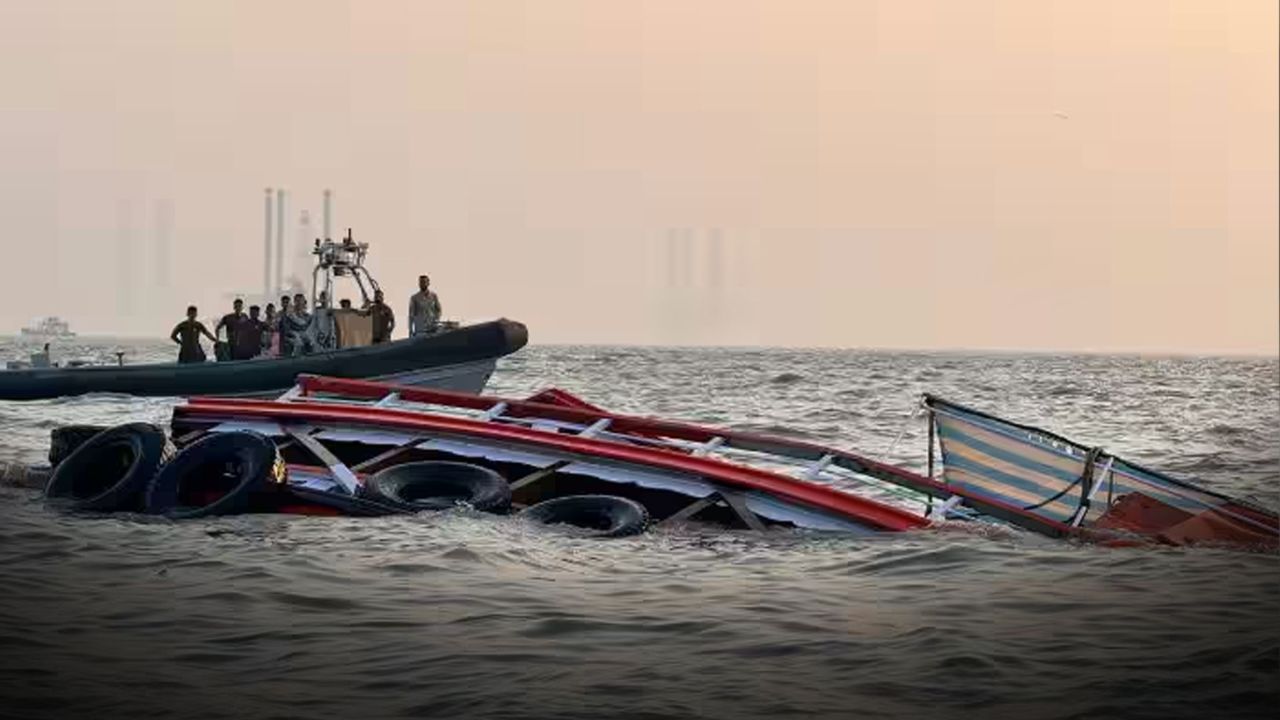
(619, 424)
(647, 427)
(874, 514)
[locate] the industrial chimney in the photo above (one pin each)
(266, 251)
(328, 197)
(279, 243)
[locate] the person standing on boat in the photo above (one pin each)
(187, 334)
(41, 359)
(323, 333)
(296, 329)
(270, 337)
(282, 336)
(424, 309)
(248, 341)
(232, 321)
(384, 321)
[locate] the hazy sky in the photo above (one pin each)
(1079, 175)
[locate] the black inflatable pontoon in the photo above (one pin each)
(460, 359)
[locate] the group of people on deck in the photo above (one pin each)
(292, 331)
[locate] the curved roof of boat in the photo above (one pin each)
(309, 406)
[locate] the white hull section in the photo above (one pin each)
(469, 377)
(464, 377)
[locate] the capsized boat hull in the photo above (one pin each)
(460, 360)
(379, 425)
(679, 471)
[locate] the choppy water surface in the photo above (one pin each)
(459, 615)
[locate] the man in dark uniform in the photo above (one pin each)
(384, 321)
(232, 321)
(187, 334)
(283, 340)
(248, 340)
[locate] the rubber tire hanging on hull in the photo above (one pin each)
(222, 474)
(64, 440)
(607, 515)
(110, 471)
(439, 485)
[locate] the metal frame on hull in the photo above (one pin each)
(392, 408)
(554, 432)
(819, 463)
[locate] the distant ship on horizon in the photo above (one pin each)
(49, 328)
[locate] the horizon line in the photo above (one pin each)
(956, 350)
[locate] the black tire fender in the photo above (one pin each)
(221, 474)
(606, 515)
(110, 471)
(438, 485)
(65, 439)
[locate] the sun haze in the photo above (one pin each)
(1085, 175)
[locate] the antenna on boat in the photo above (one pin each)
(341, 259)
(328, 201)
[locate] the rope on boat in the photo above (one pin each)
(1172, 488)
(919, 405)
(1083, 510)
(1089, 461)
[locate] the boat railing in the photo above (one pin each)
(826, 469)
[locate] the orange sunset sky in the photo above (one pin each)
(1087, 175)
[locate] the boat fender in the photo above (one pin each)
(607, 515)
(221, 474)
(439, 485)
(110, 470)
(64, 440)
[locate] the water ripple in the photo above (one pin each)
(459, 614)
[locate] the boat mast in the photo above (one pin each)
(341, 259)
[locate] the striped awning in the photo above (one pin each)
(1046, 474)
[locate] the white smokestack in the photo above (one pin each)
(279, 242)
(266, 250)
(328, 201)
(302, 265)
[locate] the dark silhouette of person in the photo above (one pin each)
(384, 321)
(248, 340)
(233, 322)
(187, 334)
(270, 332)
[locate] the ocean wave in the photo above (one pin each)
(461, 614)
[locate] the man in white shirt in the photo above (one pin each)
(424, 309)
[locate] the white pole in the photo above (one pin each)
(328, 200)
(279, 245)
(266, 252)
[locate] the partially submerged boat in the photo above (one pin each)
(1047, 483)
(343, 446)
